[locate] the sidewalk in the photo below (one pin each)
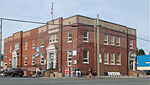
(86, 77)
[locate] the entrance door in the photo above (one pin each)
(5, 66)
(51, 60)
(131, 64)
(14, 62)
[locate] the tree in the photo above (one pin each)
(140, 52)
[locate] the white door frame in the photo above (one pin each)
(14, 55)
(132, 57)
(51, 49)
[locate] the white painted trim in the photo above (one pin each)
(143, 68)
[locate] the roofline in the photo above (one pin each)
(105, 21)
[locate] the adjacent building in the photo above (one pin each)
(72, 43)
(143, 62)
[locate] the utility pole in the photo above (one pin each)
(0, 40)
(98, 68)
(127, 53)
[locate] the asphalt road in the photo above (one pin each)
(76, 81)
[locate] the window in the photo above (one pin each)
(85, 56)
(6, 53)
(131, 44)
(26, 46)
(105, 39)
(118, 59)
(106, 58)
(25, 60)
(16, 46)
(10, 61)
(118, 41)
(56, 37)
(10, 49)
(112, 40)
(53, 38)
(33, 44)
(112, 58)
(69, 37)
(85, 36)
(42, 59)
(33, 60)
(69, 54)
(42, 42)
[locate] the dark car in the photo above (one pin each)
(14, 72)
(147, 72)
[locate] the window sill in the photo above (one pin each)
(118, 45)
(112, 44)
(85, 62)
(112, 64)
(105, 44)
(42, 46)
(53, 42)
(69, 41)
(131, 47)
(86, 41)
(118, 64)
(106, 64)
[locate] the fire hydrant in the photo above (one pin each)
(90, 75)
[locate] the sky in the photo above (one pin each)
(131, 13)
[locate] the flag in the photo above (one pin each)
(52, 9)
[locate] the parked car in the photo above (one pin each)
(147, 72)
(14, 72)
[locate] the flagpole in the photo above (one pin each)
(52, 12)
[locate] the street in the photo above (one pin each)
(73, 81)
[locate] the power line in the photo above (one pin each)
(22, 21)
(142, 39)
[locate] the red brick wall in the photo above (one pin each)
(76, 44)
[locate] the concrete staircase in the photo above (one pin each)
(137, 73)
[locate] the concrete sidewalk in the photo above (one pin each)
(86, 77)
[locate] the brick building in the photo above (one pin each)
(64, 45)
